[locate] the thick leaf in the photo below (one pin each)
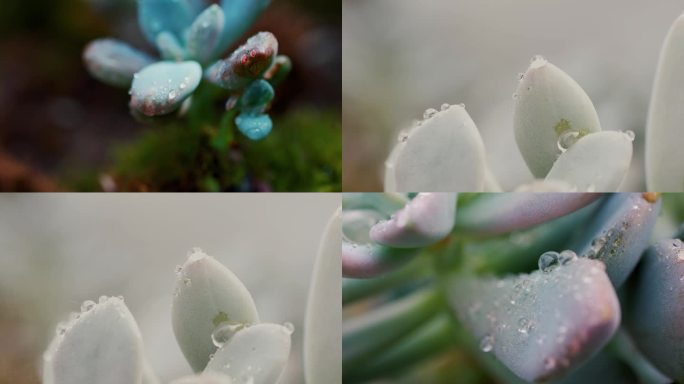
(323, 348)
(239, 16)
(254, 355)
(162, 87)
(540, 325)
(664, 139)
(207, 296)
(619, 233)
(256, 96)
(174, 16)
(205, 378)
(250, 61)
(170, 48)
(546, 186)
(101, 344)
(425, 220)
(279, 70)
(596, 163)
(255, 127)
(505, 212)
(655, 310)
(205, 34)
(548, 104)
(442, 153)
(384, 203)
(114, 62)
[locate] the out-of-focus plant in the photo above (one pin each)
(190, 37)
(215, 322)
(558, 133)
(525, 287)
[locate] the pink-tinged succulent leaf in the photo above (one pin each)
(425, 220)
(542, 325)
(497, 213)
(204, 34)
(655, 310)
(114, 62)
(279, 70)
(250, 61)
(619, 233)
(161, 88)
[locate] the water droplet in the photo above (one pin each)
(179, 269)
(487, 343)
(187, 282)
(461, 105)
(403, 136)
(224, 332)
(548, 261)
(566, 140)
(515, 96)
(566, 257)
(61, 329)
(429, 113)
(172, 95)
(102, 299)
(630, 135)
(523, 325)
(87, 305)
(521, 76)
(182, 85)
(288, 327)
(444, 107)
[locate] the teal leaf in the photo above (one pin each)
(497, 213)
(162, 87)
(425, 220)
(541, 325)
(205, 34)
(248, 62)
(100, 340)
(239, 16)
(255, 127)
(114, 62)
(169, 47)
(384, 203)
(207, 297)
(619, 233)
(655, 313)
(174, 16)
(256, 96)
(254, 355)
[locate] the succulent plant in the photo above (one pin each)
(215, 322)
(523, 287)
(558, 133)
(191, 35)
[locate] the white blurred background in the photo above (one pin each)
(403, 56)
(59, 250)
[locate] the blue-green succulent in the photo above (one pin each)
(513, 288)
(191, 37)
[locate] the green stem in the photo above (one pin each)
(430, 339)
(624, 347)
(375, 331)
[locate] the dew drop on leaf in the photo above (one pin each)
(548, 261)
(487, 343)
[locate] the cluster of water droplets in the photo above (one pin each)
(86, 306)
(549, 261)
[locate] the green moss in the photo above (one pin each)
(220, 318)
(561, 127)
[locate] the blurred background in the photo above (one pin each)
(62, 129)
(402, 57)
(58, 250)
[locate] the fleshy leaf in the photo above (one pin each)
(362, 257)
(101, 340)
(322, 348)
(384, 203)
(205, 378)
(279, 70)
(207, 296)
(205, 34)
(254, 355)
(425, 220)
(256, 96)
(239, 16)
(162, 87)
(505, 212)
(114, 62)
(595, 163)
(619, 233)
(548, 104)
(655, 313)
(250, 61)
(540, 325)
(169, 47)
(664, 159)
(255, 127)
(174, 16)
(443, 153)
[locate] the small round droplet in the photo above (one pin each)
(461, 105)
(487, 343)
(87, 305)
(566, 257)
(172, 95)
(429, 113)
(630, 135)
(523, 325)
(224, 332)
(444, 107)
(566, 140)
(182, 85)
(288, 328)
(548, 261)
(403, 136)
(187, 282)
(179, 269)
(102, 299)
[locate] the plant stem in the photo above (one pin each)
(624, 347)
